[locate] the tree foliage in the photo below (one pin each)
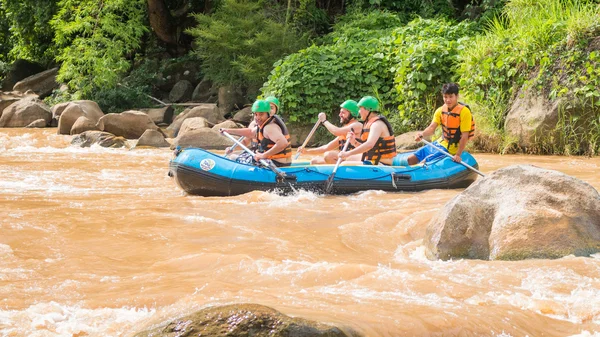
(427, 56)
(95, 39)
(24, 30)
(239, 43)
(320, 78)
(404, 66)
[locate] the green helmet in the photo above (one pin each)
(274, 100)
(370, 103)
(351, 106)
(261, 106)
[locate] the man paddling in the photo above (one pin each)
(457, 125)
(272, 136)
(348, 119)
(250, 141)
(376, 143)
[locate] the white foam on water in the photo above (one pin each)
(5, 250)
(586, 333)
(362, 294)
(57, 320)
(200, 218)
(290, 267)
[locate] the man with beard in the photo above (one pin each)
(376, 143)
(348, 119)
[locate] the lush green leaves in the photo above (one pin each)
(427, 56)
(320, 78)
(238, 44)
(95, 39)
(24, 30)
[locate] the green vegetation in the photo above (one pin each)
(543, 47)
(239, 43)
(359, 61)
(314, 54)
(95, 40)
(320, 78)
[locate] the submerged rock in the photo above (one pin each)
(104, 139)
(515, 213)
(243, 320)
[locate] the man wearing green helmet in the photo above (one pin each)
(250, 141)
(376, 143)
(348, 119)
(274, 102)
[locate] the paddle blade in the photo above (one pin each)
(329, 184)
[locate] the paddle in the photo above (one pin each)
(307, 138)
(233, 147)
(272, 167)
(449, 155)
(329, 183)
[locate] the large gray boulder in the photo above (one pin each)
(181, 92)
(244, 116)
(195, 123)
(210, 112)
(229, 98)
(23, 112)
(152, 138)
(68, 113)
(228, 124)
(42, 84)
(243, 320)
(10, 97)
(203, 138)
(406, 141)
(129, 124)
(82, 124)
(159, 116)
(19, 70)
(515, 213)
(531, 118)
(203, 91)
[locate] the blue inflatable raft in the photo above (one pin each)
(200, 172)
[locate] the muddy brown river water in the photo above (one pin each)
(101, 242)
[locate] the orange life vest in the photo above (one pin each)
(385, 146)
(264, 144)
(342, 139)
(451, 124)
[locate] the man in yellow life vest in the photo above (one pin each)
(272, 136)
(249, 134)
(376, 143)
(457, 124)
(348, 119)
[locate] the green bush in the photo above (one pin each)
(239, 43)
(427, 56)
(539, 46)
(25, 32)
(408, 8)
(319, 78)
(95, 41)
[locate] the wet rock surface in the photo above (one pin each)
(518, 212)
(243, 320)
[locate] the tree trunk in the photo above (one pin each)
(161, 21)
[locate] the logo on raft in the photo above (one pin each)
(207, 164)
